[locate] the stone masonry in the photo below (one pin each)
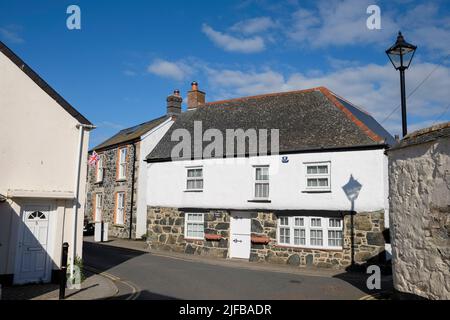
(419, 170)
(110, 186)
(166, 232)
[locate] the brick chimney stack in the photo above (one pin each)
(195, 97)
(174, 103)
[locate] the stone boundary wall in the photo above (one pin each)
(166, 232)
(420, 213)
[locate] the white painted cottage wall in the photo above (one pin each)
(228, 183)
(148, 142)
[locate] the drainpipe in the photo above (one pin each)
(81, 127)
(132, 190)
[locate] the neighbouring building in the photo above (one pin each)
(43, 148)
(117, 183)
(318, 197)
(419, 171)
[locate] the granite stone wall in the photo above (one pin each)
(420, 214)
(166, 232)
(110, 186)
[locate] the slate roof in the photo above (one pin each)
(42, 84)
(130, 134)
(313, 119)
(425, 135)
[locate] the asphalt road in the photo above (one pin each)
(161, 277)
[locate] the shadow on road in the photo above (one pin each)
(103, 257)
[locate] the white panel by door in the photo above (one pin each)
(240, 231)
(32, 259)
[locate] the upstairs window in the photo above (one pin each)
(194, 226)
(194, 179)
(318, 176)
(261, 182)
(122, 164)
(99, 172)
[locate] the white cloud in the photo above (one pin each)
(232, 43)
(11, 34)
(374, 87)
(254, 25)
(338, 23)
(172, 70)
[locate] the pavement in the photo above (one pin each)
(148, 274)
(95, 287)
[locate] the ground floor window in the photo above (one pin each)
(313, 232)
(120, 208)
(194, 227)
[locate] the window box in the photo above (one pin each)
(213, 237)
(260, 239)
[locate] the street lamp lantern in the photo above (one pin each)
(401, 55)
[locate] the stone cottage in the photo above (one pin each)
(419, 169)
(117, 183)
(316, 196)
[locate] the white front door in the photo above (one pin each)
(32, 259)
(240, 229)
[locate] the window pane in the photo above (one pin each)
(323, 169)
(299, 237)
(312, 169)
(262, 173)
(316, 222)
(323, 182)
(312, 182)
(299, 222)
(335, 223)
(316, 237)
(284, 235)
(261, 190)
(284, 221)
(335, 238)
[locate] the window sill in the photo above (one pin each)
(193, 190)
(260, 200)
(121, 179)
(194, 239)
(308, 248)
(118, 225)
(316, 191)
(98, 182)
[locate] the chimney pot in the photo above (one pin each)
(195, 96)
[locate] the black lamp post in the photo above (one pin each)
(401, 54)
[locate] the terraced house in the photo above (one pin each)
(317, 197)
(117, 183)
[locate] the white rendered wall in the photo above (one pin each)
(229, 183)
(148, 142)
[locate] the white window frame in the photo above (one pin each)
(98, 207)
(317, 176)
(195, 179)
(194, 222)
(120, 210)
(266, 181)
(99, 169)
(307, 227)
(122, 163)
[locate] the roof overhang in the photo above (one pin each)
(40, 194)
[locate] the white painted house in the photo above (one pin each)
(43, 152)
(319, 198)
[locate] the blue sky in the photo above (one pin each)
(129, 55)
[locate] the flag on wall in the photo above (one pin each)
(93, 159)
